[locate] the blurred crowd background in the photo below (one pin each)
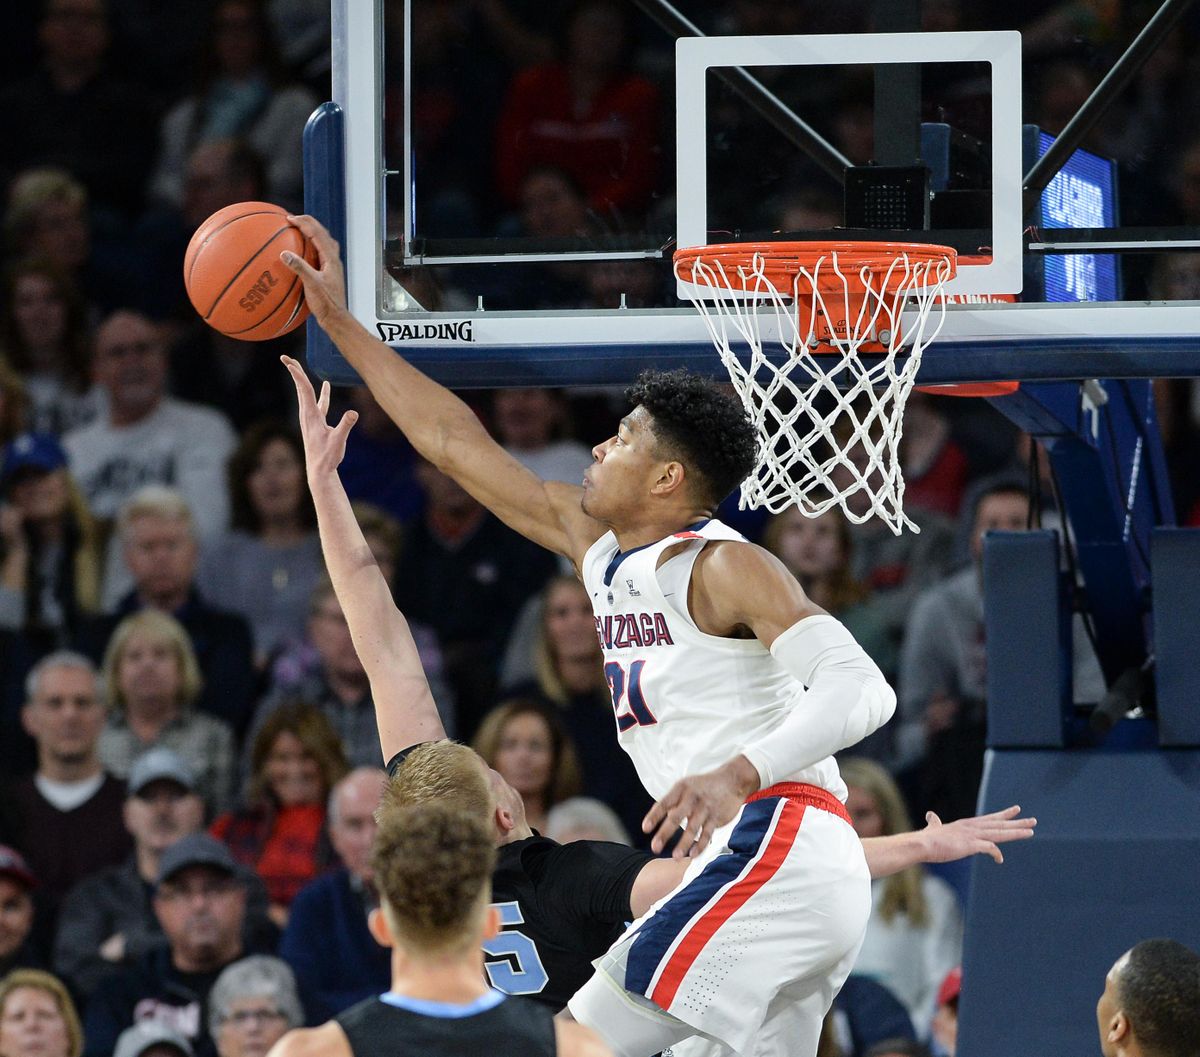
(188, 746)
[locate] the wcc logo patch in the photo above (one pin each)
(633, 590)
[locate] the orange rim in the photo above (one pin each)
(785, 260)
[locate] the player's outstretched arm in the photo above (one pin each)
(439, 425)
(404, 706)
(841, 695)
(946, 842)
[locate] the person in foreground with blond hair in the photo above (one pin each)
(433, 867)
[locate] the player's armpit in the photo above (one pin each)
(655, 880)
(574, 1040)
(739, 589)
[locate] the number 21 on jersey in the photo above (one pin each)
(626, 687)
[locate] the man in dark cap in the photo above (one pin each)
(200, 902)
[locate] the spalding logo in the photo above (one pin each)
(459, 330)
(257, 294)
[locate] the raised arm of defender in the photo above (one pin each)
(404, 708)
(439, 425)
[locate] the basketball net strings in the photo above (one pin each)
(799, 450)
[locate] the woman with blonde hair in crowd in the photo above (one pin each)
(50, 558)
(37, 1017)
(524, 741)
(44, 334)
(296, 760)
(914, 935)
(152, 681)
(569, 676)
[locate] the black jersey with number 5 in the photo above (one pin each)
(561, 906)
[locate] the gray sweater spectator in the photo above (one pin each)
(108, 919)
(152, 680)
(147, 438)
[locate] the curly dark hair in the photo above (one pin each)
(704, 427)
(244, 461)
(433, 866)
(1160, 990)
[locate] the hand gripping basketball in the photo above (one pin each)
(324, 285)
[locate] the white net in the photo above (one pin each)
(829, 413)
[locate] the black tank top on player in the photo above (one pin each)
(496, 1025)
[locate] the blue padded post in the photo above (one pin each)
(325, 199)
(1175, 563)
(1114, 862)
(1028, 635)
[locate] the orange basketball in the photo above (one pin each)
(234, 276)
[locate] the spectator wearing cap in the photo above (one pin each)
(158, 545)
(65, 819)
(943, 1030)
(327, 943)
(108, 920)
(17, 882)
(253, 1003)
(200, 902)
(37, 1016)
(147, 1039)
(49, 553)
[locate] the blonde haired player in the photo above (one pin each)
(731, 692)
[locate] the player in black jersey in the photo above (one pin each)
(432, 864)
(559, 905)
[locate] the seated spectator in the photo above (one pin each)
(569, 677)
(44, 334)
(336, 685)
(943, 1030)
(37, 1017)
(17, 950)
(584, 818)
(294, 762)
(147, 437)
(200, 901)
(152, 682)
(327, 943)
(914, 935)
(525, 742)
(942, 690)
(819, 552)
(158, 547)
(465, 574)
(239, 91)
(266, 567)
(251, 1006)
(77, 112)
(14, 404)
(49, 554)
(147, 1039)
(585, 114)
(65, 819)
(108, 919)
(531, 424)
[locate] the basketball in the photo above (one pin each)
(234, 276)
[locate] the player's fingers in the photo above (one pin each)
(327, 247)
(304, 389)
(299, 265)
(323, 400)
(931, 819)
(992, 850)
(655, 815)
(345, 425)
(668, 827)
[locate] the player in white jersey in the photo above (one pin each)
(731, 690)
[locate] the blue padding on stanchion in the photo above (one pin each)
(1175, 578)
(325, 199)
(1114, 862)
(1028, 635)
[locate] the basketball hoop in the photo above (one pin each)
(820, 410)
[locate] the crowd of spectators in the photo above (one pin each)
(188, 746)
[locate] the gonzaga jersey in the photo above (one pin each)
(685, 701)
